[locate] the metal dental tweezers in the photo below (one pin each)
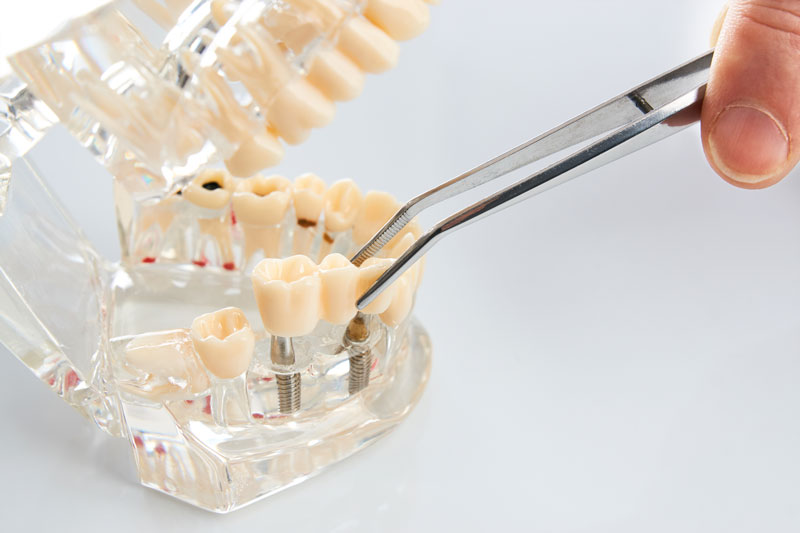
(640, 117)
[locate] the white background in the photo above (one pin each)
(619, 354)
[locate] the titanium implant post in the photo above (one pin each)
(289, 385)
(355, 338)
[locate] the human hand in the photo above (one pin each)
(751, 112)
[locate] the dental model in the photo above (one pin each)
(224, 341)
(211, 192)
(261, 205)
(308, 197)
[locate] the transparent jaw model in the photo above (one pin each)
(225, 346)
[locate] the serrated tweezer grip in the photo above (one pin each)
(640, 117)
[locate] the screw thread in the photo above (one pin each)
(288, 393)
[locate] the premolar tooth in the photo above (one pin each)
(339, 283)
(308, 194)
(378, 208)
(401, 19)
(402, 300)
(297, 108)
(260, 205)
(367, 45)
(257, 152)
(288, 293)
(224, 341)
(211, 190)
(342, 205)
(336, 75)
(369, 271)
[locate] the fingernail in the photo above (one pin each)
(748, 144)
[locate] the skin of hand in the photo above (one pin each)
(751, 112)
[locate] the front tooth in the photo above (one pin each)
(336, 75)
(369, 271)
(367, 45)
(401, 19)
(224, 341)
(378, 208)
(339, 283)
(298, 107)
(260, 205)
(169, 357)
(288, 293)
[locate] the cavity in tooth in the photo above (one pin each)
(308, 194)
(339, 283)
(169, 358)
(297, 108)
(378, 208)
(369, 271)
(288, 294)
(211, 190)
(261, 205)
(367, 45)
(401, 19)
(336, 75)
(341, 207)
(225, 342)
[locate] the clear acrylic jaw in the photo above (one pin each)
(115, 340)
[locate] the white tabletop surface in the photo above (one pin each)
(619, 354)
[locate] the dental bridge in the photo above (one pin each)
(258, 328)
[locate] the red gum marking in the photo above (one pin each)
(71, 380)
(200, 262)
(189, 402)
(138, 442)
(374, 364)
(267, 380)
(229, 266)
(160, 450)
(233, 218)
(207, 406)
(258, 416)
(51, 381)
(149, 260)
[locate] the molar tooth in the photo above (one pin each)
(377, 209)
(288, 293)
(342, 205)
(211, 190)
(367, 45)
(297, 108)
(309, 190)
(336, 75)
(401, 19)
(224, 341)
(261, 205)
(339, 282)
(369, 271)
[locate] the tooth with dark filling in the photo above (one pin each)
(211, 192)
(308, 194)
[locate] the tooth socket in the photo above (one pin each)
(288, 393)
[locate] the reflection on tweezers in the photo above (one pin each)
(640, 117)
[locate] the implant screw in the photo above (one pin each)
(282, 353)
(355, 338)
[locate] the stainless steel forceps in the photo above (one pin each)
(640, 117)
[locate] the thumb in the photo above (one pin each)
(751, 113)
